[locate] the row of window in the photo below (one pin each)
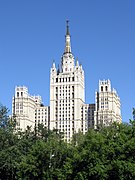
(102, 88)
(65, 87)
(65, 106)
(66, 79)
(19, 105)
(106, 107)
(41, 122)
(19, 94)
(65, 116)
(106, 102)
(64, 112)
(65, 101)
(88, 110)
(105, 117)
(66, 121)
(104, 99)
(65, 95)
(66, 130)
(19, 112)
(41, 113)
(65, 126)
(39, 117)
(41, 110)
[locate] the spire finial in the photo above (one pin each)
(67, 33)
(68, 45)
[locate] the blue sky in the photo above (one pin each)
(32, 35)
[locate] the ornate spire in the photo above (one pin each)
(67, 33)
(68, 45)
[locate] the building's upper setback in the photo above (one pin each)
(68, 111)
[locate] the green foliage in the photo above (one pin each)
(106, 154)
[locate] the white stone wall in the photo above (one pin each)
(26, 109)
(107, 105)
(42, 115)
(87, 117)
(66, 97)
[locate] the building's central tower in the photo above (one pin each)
(67, 93)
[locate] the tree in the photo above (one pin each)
(105, 154)
(3, 117)
(8, 149)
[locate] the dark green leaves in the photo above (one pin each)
(106, 154)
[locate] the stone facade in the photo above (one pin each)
(29, 110)
(87, 116)
(107, 105)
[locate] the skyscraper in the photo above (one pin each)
(67, 92)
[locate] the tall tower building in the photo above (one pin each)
(107, 108)
(66, 92)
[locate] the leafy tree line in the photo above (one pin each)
(106, 154)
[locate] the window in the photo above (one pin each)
(106, 88)
(102, 88)
(72, 88)
(17, 94)
(72, 95)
